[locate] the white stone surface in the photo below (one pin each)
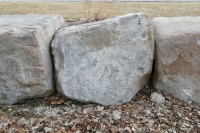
(104, 62)
(157, 98)
(177, 55)
(98, 0)
(25, 60)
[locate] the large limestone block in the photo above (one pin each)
(177, 65)
(105, 62)
(25, 59)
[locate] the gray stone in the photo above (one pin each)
(25, 59)
(157, 98)
(177, 54)
(105, 62)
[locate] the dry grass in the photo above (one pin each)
(102, 10)
(95, 11)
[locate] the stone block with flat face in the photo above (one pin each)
(177, 55)
(105, 62)
(25, 59)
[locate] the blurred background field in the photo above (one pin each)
(101, 10)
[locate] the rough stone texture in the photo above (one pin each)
(157, 98)
(178, 56)
(25, 62)
(105, 62)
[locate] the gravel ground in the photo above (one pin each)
(59, 114)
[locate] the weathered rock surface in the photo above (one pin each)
(178, 56)
(25, 60)
(157, 98)
(105, 62)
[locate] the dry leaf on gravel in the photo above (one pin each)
(140, 115)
